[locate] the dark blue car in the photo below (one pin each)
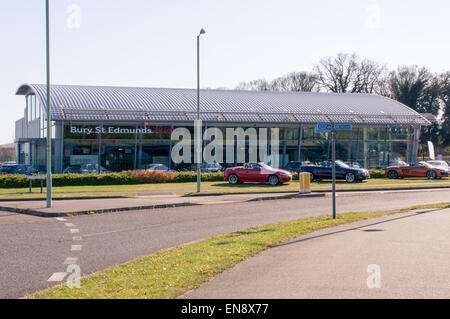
(343, 172)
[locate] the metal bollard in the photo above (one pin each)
(305, 183)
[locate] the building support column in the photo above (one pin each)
(283, 162)
(299, 143)
(365, 147)
(415, 148)
(170, 148)
(59, 147)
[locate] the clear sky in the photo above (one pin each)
(153, 43)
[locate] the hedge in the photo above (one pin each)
(123, 178)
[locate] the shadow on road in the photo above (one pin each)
(359, 228)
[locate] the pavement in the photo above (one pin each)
(34, 249)
(399, 256)
(67, 207)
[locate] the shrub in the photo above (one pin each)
(376, 173)
(151, 176)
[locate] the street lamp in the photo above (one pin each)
(49, 128)
(202, 31)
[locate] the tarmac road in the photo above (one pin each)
(33, 249)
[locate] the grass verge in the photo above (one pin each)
(225, 186)
(171, 272)
(62, 195)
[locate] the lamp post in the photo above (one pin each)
(49, 128)
(202, 31)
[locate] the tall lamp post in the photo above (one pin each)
(49, 128)
(202, 31)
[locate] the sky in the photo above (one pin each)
(152, 43)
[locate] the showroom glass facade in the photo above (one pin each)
(119, 148)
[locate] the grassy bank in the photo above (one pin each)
(169, 273)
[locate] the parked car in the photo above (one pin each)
(18, 169)
(93, 169)
(343, 172)
(257, 172)
(295, 166)
(210, 168)
(393, 163)
(442, 165)
(72, 169)
(159, 167)
(85, 169)
(420, 169)
(8, 163)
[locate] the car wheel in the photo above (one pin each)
(233, 179)
(273, 180)
(350, 178)
(392, 174)
(431, 174)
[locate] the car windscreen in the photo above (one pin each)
(342, 164)
(265, 166)
(425, 164)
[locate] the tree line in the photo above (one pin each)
(417, 87)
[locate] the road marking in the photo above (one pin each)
(70, 260)
(61, 219)
(69, 224)
(75, 248)
(76, 238)
(57, 276)
(74, 231)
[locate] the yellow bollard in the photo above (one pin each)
(305, 186)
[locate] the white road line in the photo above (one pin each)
(75, 238)
(69, 224)
(57, 276)
(74, 231)
(61, 219)
(76, 247)
(70, 260)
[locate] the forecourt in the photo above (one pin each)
(34, 248)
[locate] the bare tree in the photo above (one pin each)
(296, 82)
(255, 85)
(345, 73)
(292, 82)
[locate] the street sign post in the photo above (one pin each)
(333, 168)
(327, 128)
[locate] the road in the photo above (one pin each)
(33, 249)
(400, 256)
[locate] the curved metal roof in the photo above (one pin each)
(100, 103)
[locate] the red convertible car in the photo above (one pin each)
(420, 169)
(257, 172)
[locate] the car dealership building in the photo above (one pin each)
(124, 128)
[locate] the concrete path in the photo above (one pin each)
(406, 256)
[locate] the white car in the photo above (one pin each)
(442, 165)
